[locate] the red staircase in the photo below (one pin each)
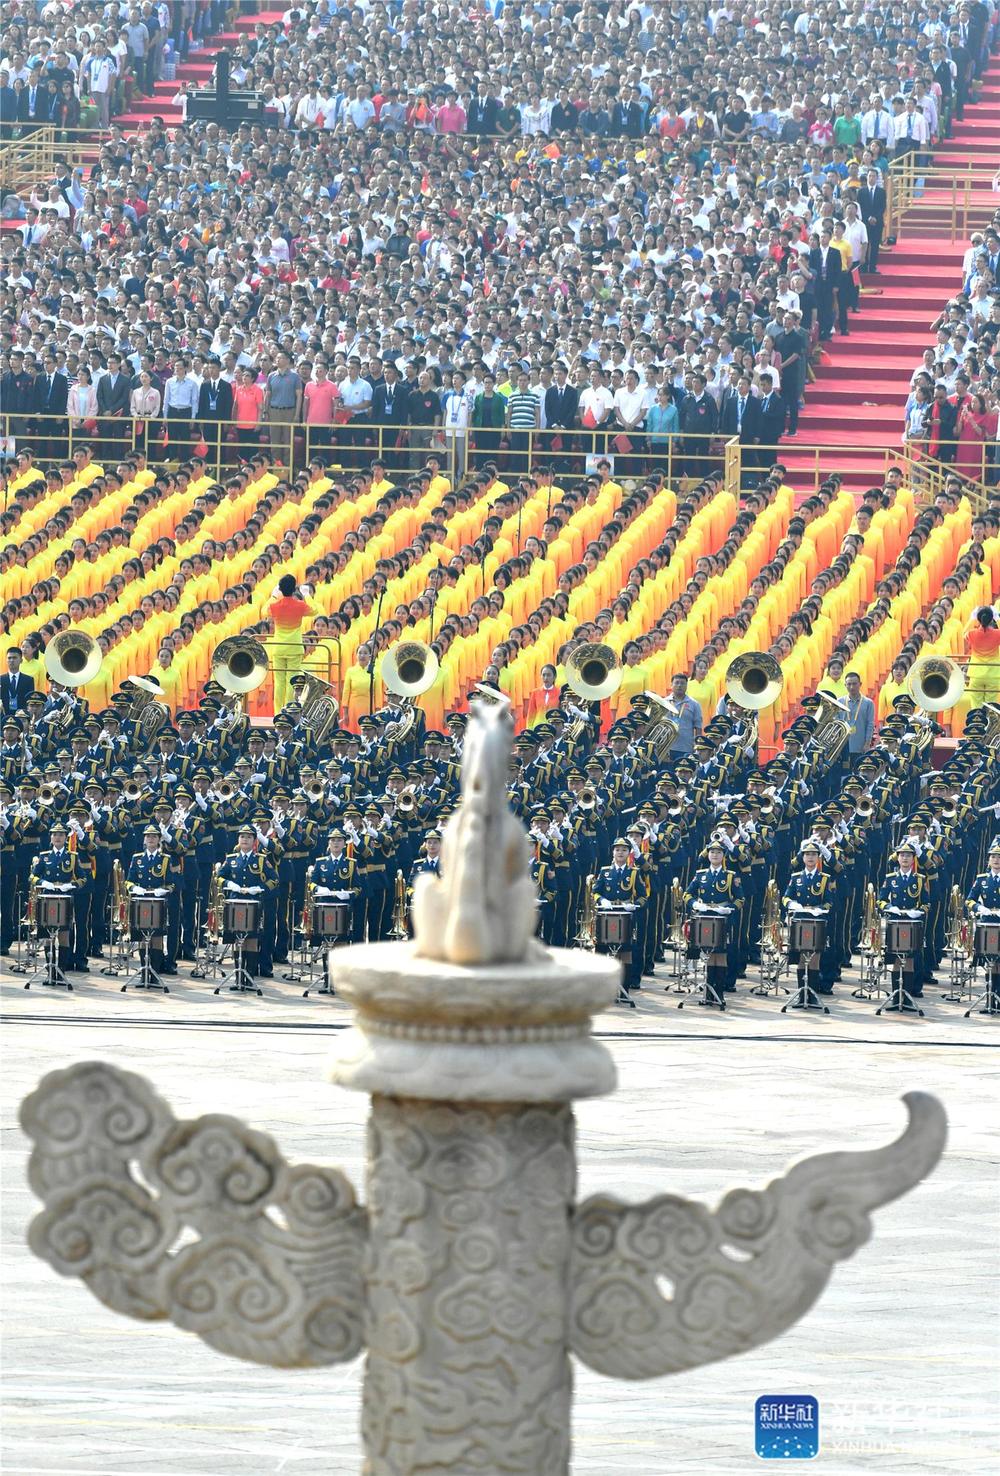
(856, 405)
(197, 69)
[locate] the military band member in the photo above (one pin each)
(904, 895)
(810, 892)
(620, 885)
(337, 877)
(149, 875)
(985, 898)
(716, 891)
(56, 870)
(250, 872)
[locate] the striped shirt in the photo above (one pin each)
(523, 410)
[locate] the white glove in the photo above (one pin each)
(201, 801)
(795, 906)
(604, 904)
(232, 886)
(254, 891)
(325, 892)
(278, 829)
(160, 891)
(914, 912)
(259, 778)
(342, 896)
(699, 906)
(169, 777)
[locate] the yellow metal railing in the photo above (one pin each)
(569, 456)
(917, 195)
(924, 474)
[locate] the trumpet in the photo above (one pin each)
(47, 796)
(587, 798)
(314, 791)
(132, 789)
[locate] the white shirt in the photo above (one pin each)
(910, 126)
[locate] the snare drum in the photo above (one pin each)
(904, 937)
(53, 912)
(614, 930)
(708, 933)
(331, 920)
(986, 942)
(240, 918)
(806, 935)
(147, 915)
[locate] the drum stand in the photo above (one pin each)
(321, 954)
(27, 947)
(50, 975)
(805, 996)
(147, 977)
(989, 1000)
(872, 969)
(961, 977)
(900, 1001)
(711, 997)
(239, 980)
(771, 967)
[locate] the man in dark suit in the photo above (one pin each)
(32, 105)
(215, 406)
(739, 414)
(770, 420)
(699, 421)
(941, 422)
(51, 398)
(390, 408)
(561, 405)
(828, 269)
(15, 685)
(114, 392)
(872, 202)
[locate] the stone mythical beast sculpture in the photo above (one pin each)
(471, 1275)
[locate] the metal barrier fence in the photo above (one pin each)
(569, 455)
(352, 448)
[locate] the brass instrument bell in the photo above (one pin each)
(935, 683)
(754, 680)
(409, 668)
(239, 664)
(593, 671)
(73, 658)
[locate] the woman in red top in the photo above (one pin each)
(983, 641)
(288, 610)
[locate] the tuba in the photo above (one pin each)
(593, 671)
(663, 727)
(408, 669)
(73, 658)
(935, 683)
(754, 680)
(239, 666)
(832, 728)
(319, 706)
(144, 710)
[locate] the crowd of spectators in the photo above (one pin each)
(951, 412)
(652, 210)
